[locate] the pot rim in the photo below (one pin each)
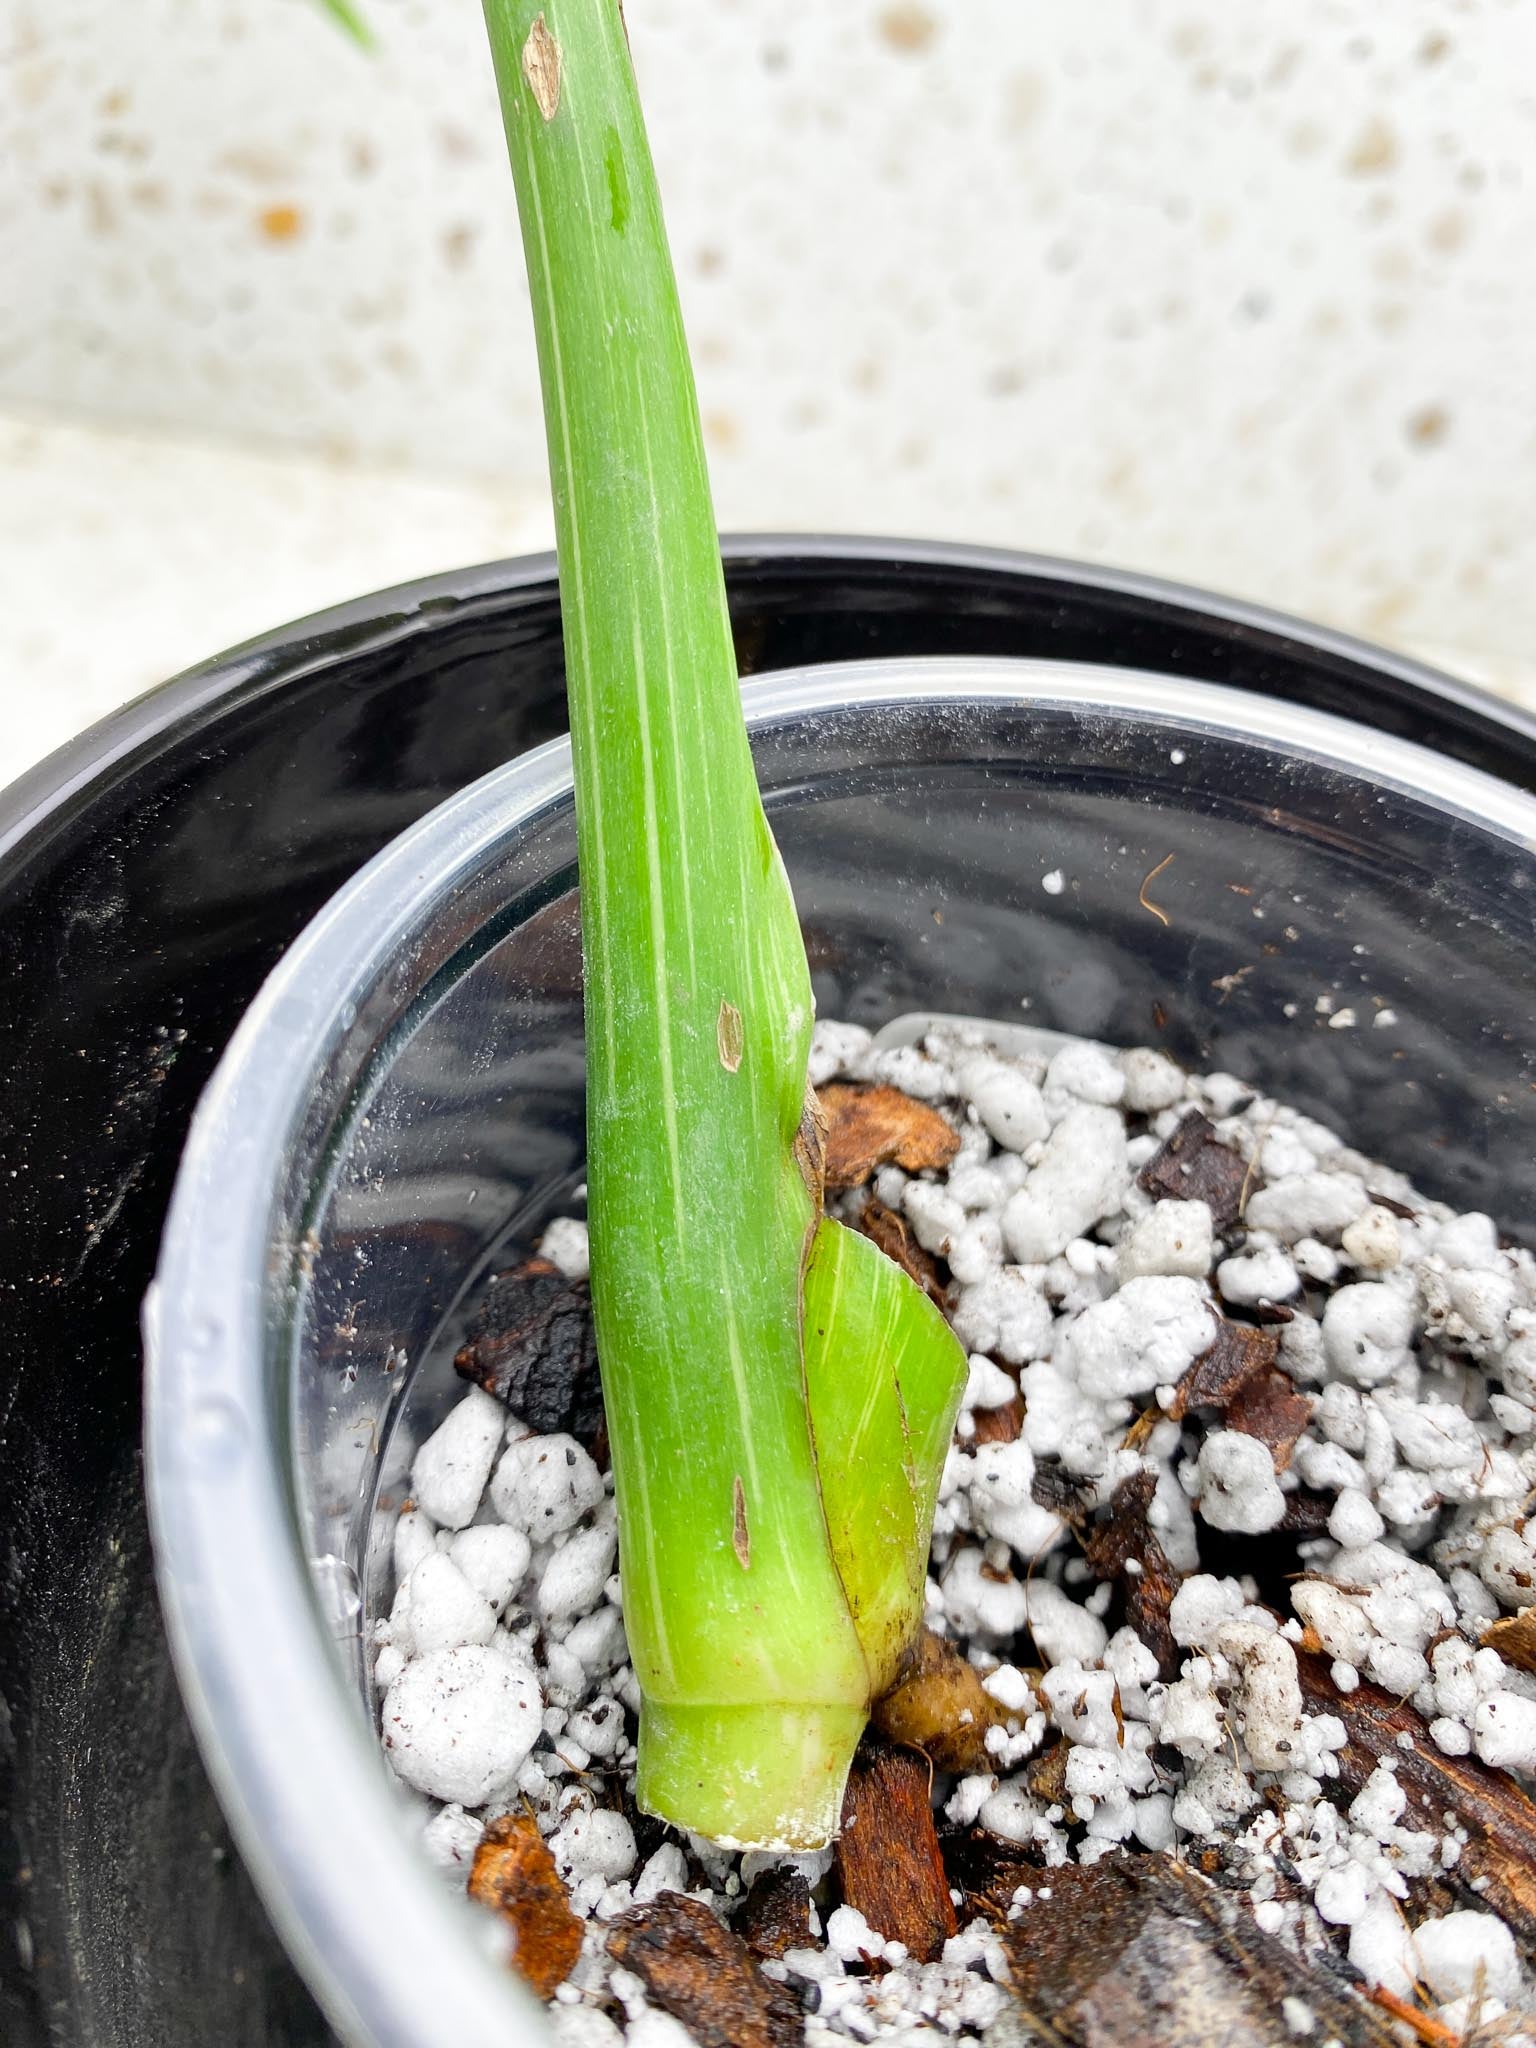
(402, 610)
(238, 1602)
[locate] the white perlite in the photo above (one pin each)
(453, 1464)
(1238, 1487)
(1392, 1530)
(459, 1724)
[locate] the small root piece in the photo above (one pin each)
(1424, 2024)
(1145, 900)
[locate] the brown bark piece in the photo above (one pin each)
(873, 1127)
(1124, 1533)
(1046, 1776)
(1514, 1637)
(1307, 1512)
(1497, 1865)
(532, 1345)
(1124, 1539)
(514, 1874)
(1270, 1408)
(999, 1425)
(1141, 1952)
(1148, 1599)
(1235, 1355)
(1237, 1375)
(701, 1973)
(988, 1871)
(1063, 1492)
(776, 1915)
(887, 1854)
(893, 1234)
(1193, 1165)
(940, 1706)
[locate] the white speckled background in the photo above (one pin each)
(1240, 295)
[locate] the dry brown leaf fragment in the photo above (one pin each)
(1148, 1603)
(871, 1127)
(1193, 1165)
(887, 1854)
(702, 1974)
(940, 1706)
(515, 1876)
(1064, 1493)
(1514, 1637)
(893, 1234)
(1307, 1512)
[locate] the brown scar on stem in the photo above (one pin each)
(541, 68)
(741, 1541)
(1141, 894)
(728, 1036)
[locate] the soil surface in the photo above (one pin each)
(1224, 1723)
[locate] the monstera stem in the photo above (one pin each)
(756, 1530)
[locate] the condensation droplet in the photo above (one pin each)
(338, 1591)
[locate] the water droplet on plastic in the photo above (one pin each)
(338, 1591)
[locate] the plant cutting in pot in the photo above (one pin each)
(779, 1394)
(1234, 1501)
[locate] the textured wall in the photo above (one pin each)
(1239, 293)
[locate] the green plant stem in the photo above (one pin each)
(347, 16)
(703, 1171)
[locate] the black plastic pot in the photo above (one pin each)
(149, 877)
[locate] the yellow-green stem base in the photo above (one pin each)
(768, 1777)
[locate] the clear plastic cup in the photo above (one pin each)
(1339, 917)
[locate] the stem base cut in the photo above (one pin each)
(754, 1777)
